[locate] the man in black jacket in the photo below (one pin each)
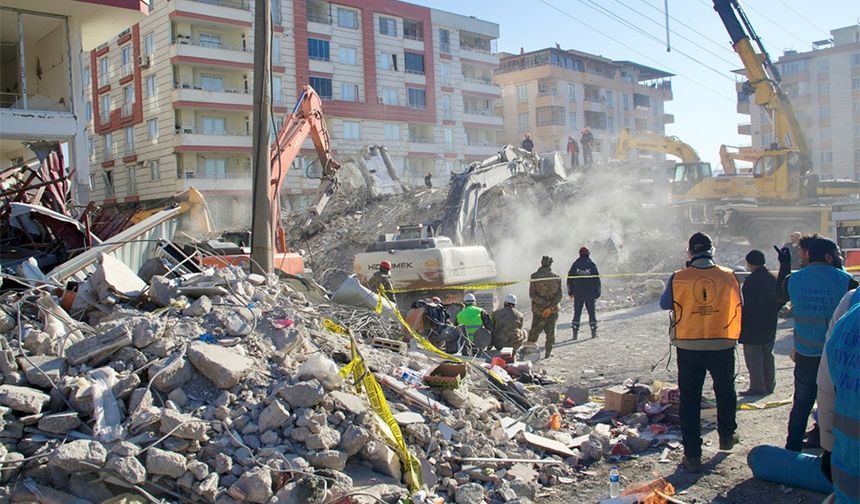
(583, 291)
(758, 324)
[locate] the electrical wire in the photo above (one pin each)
(792, 9)
(633, 49)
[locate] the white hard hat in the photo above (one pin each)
(469, 298)
(511, 298)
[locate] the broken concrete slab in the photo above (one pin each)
(353, 439)
(79, 456)
(129, 468)
(54, 367)
(160, 461)
(182, 426)
(303, 394)
(102, 343)
(254, 485)
(113, 277)
(23, 399)
(327, 459)
(170, 373)
(349, 402)
(223, 366)
(274, 416)
(60, 423)
(146, 331)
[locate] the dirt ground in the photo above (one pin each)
(630, 342)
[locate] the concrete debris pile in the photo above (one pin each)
(223, 386)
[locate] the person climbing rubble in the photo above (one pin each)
(583, 291)
(528, 144)
(706, 305)
(545, 293)
(382, 277)
(587, 143)
(573, 150)
(472, 318)
(508, 325)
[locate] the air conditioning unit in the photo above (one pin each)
(145, 61)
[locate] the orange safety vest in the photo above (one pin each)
(707, 304)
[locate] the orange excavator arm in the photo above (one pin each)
(306, 119)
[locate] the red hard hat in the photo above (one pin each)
(436, 299)
(385, 265)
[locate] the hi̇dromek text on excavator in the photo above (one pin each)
(307, 118)
(445, 253)
(783, 193)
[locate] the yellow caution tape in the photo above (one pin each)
(362, 377)
(333, 326)
(767, 405)
(497, 285)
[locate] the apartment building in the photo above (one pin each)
(41, 96)
(824, 87)
(553, 93)
(173, 105)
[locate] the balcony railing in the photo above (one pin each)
(478, 80)
(319, 18)
(413, 36)
(421, 139)
(236, 4)
(414, 71)
(478, 49)
(104, 78)
(200, 87)
(128, 149)
(210, 44)
(108, 153)
(127, 109)
(126, 69)
(483, 112)
(203, 131)
(419, 106)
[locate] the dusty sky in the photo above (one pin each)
(704, 98)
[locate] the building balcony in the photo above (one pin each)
(232, 182)
(126, 69)
(201, 139)
(230, 56)
(484, 117)
(668, 118)
(233, 10)
(31, 123)
(189, 92)
(743, 108)
(479, 85)
(479, 54)
(485, 149)
(744, 129)
(423, 145)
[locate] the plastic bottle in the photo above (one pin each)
(614, 482)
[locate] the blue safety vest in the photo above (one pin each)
(843, 360)
(855, 298)
(815, 293)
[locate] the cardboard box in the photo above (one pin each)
(619, 399)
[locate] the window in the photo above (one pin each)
(104, 73)
(546, 116)
(523, 121)
(150, 86)
(89, 111)
(444, 41)
(148, 44)
(447, 114)
(823, 88)
(444, 73)
(91, 149)
(210, 40)
(322, 86)
(152, 128)
(132, 179)
(822, 65)
(128, 94)
(571, 91)
(449, 139)
(793, 67)
(104, 108)
(610, 97)
(855, 59)
(824, 112)
(626, 99)
(351, 130)
(855, 83)
(109, 145)
(349, 92)
(214, 125)
(318, 49)
(88, 78)
(386, 61)
(827, 157)
(347, 18)
(387, 26)
(276, 12)
(413, 30)
(417, 98)
(414, 63)
(347, 55)
(276, 50)
(824, 134)
(212, 82)
(154, 170)
(129, 140)
(390, 96)
(522, 93)
(215, 168)
(571, 120)
(107, 177)
(125, 53)
(392, 131)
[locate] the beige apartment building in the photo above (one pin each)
(171, 98)
(553, 93)
(824, 87)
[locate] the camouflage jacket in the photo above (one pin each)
(507, 327)
(384, 279)
(545, 293)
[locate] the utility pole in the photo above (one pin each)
(261, 217)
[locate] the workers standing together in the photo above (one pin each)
(545, 293)
(573, 150)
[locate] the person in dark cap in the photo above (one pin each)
(814, 291)
(758, 324)
(545, 293)
(584, 291)
(706, 305)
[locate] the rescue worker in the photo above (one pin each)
(545, 293)
(527, 143)
(508, 325)
(706, 305)
(472, 317)
(587, 143)
(583, 291)
(793, 245)
(758, 325)
(573, 150)
(814, 291)
(428, 180)
(839, 406)
(382, 277)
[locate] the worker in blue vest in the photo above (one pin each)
(814, 292)
(839, 405)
